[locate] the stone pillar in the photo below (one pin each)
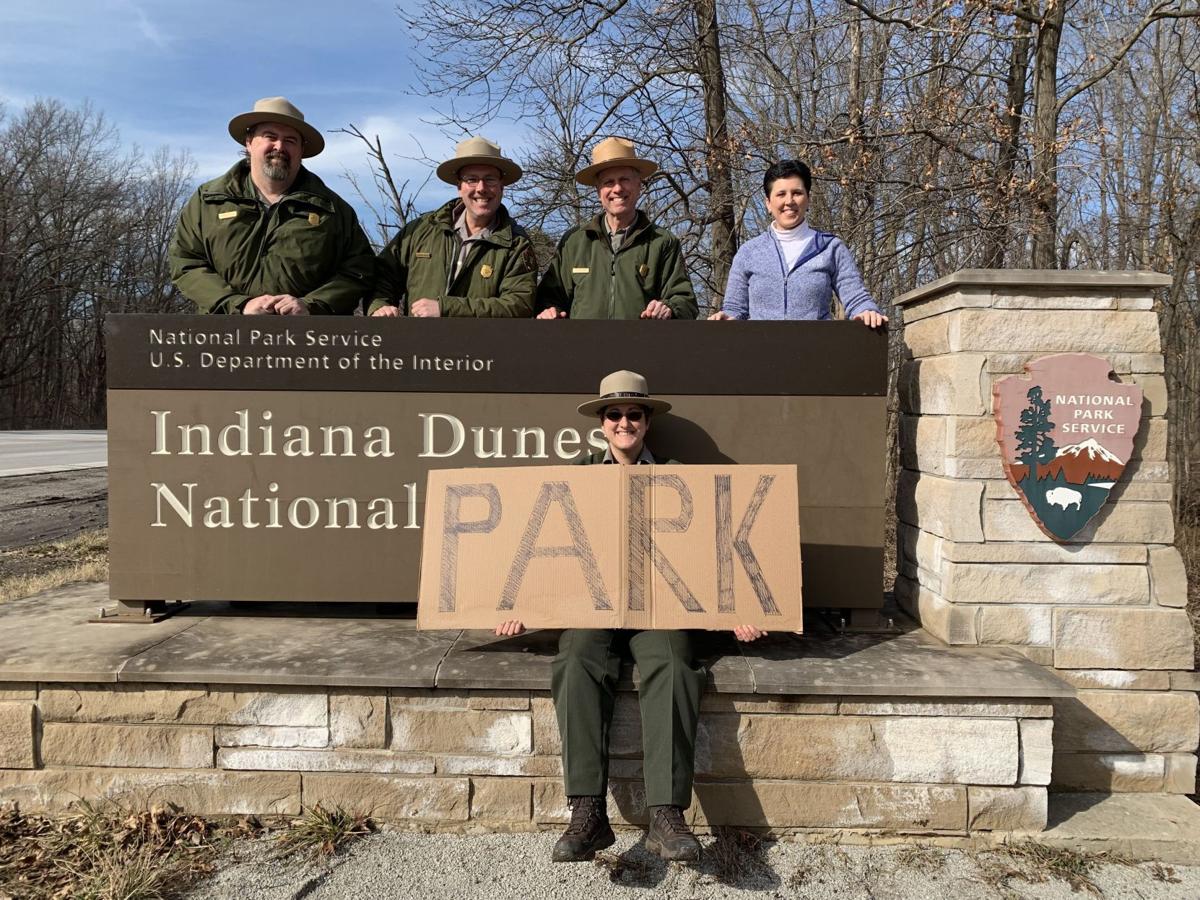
(1105, 610)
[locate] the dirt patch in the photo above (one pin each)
(39, 508)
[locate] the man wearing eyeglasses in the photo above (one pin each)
(468, 258)
(620, 265)
(585, 672)
(268, 237)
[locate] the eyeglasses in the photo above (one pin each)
(615, 415)
(475, 180)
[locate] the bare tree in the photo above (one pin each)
(84, 229)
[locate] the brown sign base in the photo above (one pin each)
(138, 612)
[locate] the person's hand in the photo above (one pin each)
(389, 311)
(552, 312)
(748, 633)
(656, 309)
(720, 316)
(511, 628)
(425, 309)
(287, 305)
(260, 306)
(872, 319)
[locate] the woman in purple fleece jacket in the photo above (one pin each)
(791, 271)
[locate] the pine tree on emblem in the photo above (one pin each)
(1035, 446)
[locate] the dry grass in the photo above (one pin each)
(623, 867)
(926, 860)
(320, 832)
(1036, 863)
(736, 853)
(25, 571)
(105, 852)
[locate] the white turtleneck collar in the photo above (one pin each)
(792, 241)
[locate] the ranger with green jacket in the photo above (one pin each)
(268, 237)
(467, 258)
(620, 265)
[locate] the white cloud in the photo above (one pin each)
(149, 30)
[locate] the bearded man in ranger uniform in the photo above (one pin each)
(466, 258)
(620, 265)
(268, 237)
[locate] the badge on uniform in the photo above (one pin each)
(578, 271)
(485, 271)
(420, 255)
(643, 270)
(314, 219)
(228, 214)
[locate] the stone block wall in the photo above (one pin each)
(489, 759)
(1104, 610)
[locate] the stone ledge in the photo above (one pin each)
(200, 682)
(1052, 279)
(1161, 827)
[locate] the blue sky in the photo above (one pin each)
(173, 74)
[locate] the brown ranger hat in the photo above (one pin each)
(623, 387)
(614, 151)
(478, 151)
(277, 109)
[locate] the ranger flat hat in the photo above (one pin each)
(614, 151)
(623, 387)
(478, 151)
(277, 109)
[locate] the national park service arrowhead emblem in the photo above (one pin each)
(1066, 434)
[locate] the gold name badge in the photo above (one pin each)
(314, 219)
(643, 270)
(485, 270)
(579, 271)
(420, 255)
(228, 214)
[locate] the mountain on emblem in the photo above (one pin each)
(1066, 433)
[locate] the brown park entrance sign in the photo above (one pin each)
(1066, 434)
(259, 458)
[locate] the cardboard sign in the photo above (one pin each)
(1066, 433)
(612, 547)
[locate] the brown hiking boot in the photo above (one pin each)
(669, 835)
(588, 832)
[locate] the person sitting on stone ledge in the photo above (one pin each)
(588, 664)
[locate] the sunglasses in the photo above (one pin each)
(615, 415)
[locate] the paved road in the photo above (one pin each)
(36, 452)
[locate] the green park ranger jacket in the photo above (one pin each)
(229, 247)
(497, 279)
(588, 281)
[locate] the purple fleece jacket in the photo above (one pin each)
(759, 287)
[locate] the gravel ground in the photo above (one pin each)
(46, 507)
(494, 866)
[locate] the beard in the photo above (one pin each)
(277, 166)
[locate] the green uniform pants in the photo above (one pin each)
(584, 685)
